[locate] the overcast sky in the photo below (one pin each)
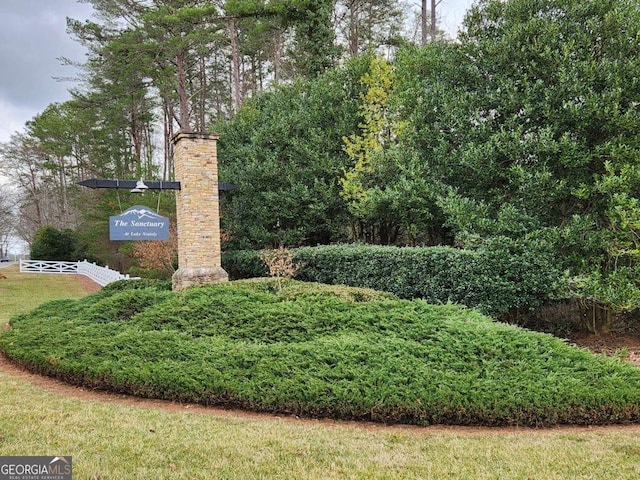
(33, 37)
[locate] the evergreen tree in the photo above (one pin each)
(51, 244)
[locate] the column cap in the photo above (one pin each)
(194, 136)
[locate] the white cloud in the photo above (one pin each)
(33, 37)
(451, 14)
(13, 118)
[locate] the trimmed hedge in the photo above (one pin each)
(137, 284)
(326, 351)
(494, 280)
(242, 264)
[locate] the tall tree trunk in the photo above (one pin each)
(235, 59)
(354, 27)
(168, 144)
(423, 23)
(434, 4)
(203, 92)
(277, 57)
(183, 98)
(254, 76)
(135, 134)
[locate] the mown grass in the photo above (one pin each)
(109, 440)
(22, 292)
(319, 351)
(114, 441)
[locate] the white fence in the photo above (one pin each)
(101, 275)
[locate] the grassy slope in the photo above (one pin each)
(313, 353)
(22, 292)
(136, 442)
(129, 443)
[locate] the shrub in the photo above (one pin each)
(123, 305)
(52, 244)
(280, 263)
(137, 284)
(291, 290)
(158, 258)
(241, 264)
(496, 279)
(317, 350)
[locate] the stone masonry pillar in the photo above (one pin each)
(198, 211)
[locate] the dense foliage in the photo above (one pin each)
(322, 351)
(529, 126)
(154, 68)
(284, 152)
(495, 280)
(57, 245)
(525, 128)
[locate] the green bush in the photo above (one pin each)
(322, 351)
(241, 264)
(496, 279)
(52, 244)
(137, 284)
(294, 290)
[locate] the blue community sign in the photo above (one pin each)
(138, 223)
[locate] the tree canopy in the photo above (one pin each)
(524, 129)
(337, 127)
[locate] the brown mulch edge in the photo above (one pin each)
(610, 344)
(87, 284)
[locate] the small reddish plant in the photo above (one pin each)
(280, 263)
(158, 255)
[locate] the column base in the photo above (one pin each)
(188, 277)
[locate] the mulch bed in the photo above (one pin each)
(610, 345)
(87, 284)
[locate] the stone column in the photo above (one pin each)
(198, 211)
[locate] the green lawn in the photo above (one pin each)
(21, 292)
(111, 441)
(114, 441)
